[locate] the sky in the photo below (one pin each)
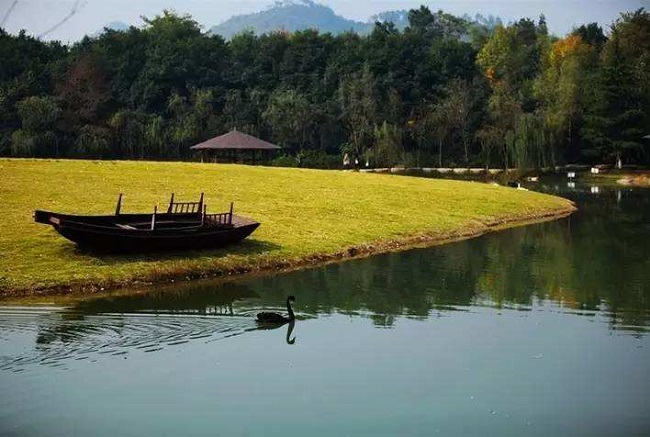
(38, 17)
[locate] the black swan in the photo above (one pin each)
(278, 319)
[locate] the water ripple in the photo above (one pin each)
(62, 336)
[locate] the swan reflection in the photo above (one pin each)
(290, 327)
(289, 331)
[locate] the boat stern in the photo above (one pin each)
(46, 217)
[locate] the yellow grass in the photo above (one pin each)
(304, 214)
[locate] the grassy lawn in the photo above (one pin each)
(304, 214)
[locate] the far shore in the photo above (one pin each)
(309, 218)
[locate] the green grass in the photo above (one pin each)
(305, 214)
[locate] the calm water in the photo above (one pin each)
(535, 331)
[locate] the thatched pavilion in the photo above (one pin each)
(235, 146)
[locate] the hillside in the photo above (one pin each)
(291, 15)
(118, 26)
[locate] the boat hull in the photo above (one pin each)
(112, 233)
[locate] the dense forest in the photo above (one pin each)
(445, 91)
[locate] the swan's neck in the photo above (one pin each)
(292, 316)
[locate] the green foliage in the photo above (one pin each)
(389, 150)
(438, 25)
(284, 161)
(128, 127)
(288, 117)
(23, 143)
(618, 115)
(457, 90)
(561, 89)
(38, 116)
(93, 141)
(83, 92)
(319, 159)
(358, 107)
(591, 34)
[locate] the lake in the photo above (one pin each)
(533, 331)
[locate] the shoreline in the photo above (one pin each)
(620, 178)
(278, 264)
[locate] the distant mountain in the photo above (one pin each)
(117, 25)
(291, 15)
(113, 25)
(399, 18)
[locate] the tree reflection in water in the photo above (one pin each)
(594, 260)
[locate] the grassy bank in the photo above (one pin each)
(619, 178)
(307, 216)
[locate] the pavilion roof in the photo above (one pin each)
(235, 140)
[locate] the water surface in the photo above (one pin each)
(539, 330)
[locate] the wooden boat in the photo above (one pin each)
(185, 225)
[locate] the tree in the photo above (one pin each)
(122, 56)
(458, 105)
(240, 109)
(37, 137)
(128, 128)
(93, 141)
(83, 93)
(26, 69)
(617, 115)
(304, 62)
(511, 58)
(503, 110)
(178, 58)
(591, 34)
(443, 89)
(155, 135)
(439, 25)
(357, 103)
(269, 56)
(421, 126)
(388, 150)
(510, 61)
(241, 57)
(560, 90)
(488, 137)
(288, 116)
